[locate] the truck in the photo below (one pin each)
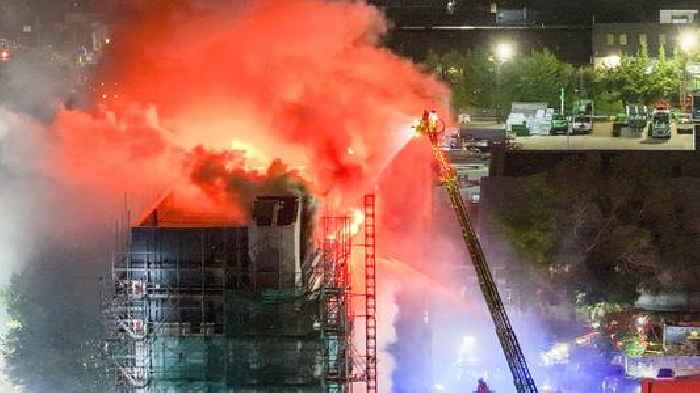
(560, 125)
(690, 384)
(632, 121)
(684, 124)
(637, 117)
(661, 124)
(582, 117)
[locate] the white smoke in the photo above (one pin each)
(387, 310)
(20, 189)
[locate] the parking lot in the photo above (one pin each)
(601, 139)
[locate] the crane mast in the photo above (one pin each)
(431, 126)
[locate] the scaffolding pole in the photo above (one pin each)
(336, 319)
(370, 295)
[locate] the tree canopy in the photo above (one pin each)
(536, 78)
(54, 342)
(606, 228)
(642, 79)
(478, 80)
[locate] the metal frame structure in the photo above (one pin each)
(336, 313)
(182, 311)
(370, 294)
(522, 379)
(165, 305)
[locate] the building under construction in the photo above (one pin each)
(197, 304)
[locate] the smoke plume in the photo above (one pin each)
(266, 97)
(224, 179)
(321, 95)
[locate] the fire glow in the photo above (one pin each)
(221, 108)
(324, 100)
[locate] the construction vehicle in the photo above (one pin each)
(432, 127)
(582, 122)
(661, 123)
(560, 125)
(637, 117)
(632, 122)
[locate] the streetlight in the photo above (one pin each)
(612, 61)
(688, 41)
(504, 52)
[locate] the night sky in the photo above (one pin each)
(553, 11)
(562, 11)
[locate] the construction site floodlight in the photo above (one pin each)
(688, 41)
(504, 52)
(612, 61)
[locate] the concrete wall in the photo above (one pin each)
(275, 243)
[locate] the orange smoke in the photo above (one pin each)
(301, 87)
(300, 80)
(108, 155)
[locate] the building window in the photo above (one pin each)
(680, 19)
(662, 39)
(611, 39)
(623, 39)
(642, 39)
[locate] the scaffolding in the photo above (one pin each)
(336, 314)
(370, 295)
(210, 308)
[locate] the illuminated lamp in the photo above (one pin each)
(504, 52)
(688, 41)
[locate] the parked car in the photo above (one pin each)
(560, 125)
(583, 124)
(661, 125)
(684, 124)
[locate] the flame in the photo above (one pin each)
(357, 218)
(255, 158)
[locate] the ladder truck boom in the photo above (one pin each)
(431, 126)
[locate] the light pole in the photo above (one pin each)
(504, 52)
(688, 42)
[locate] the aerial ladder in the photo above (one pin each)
(431, 126)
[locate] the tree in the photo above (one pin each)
(633, 345)
(606, 228)
(54, 340)
(471, 77)
(535, 78)
(642, 80)
(480, 79)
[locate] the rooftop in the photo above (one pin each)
(170, 211)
